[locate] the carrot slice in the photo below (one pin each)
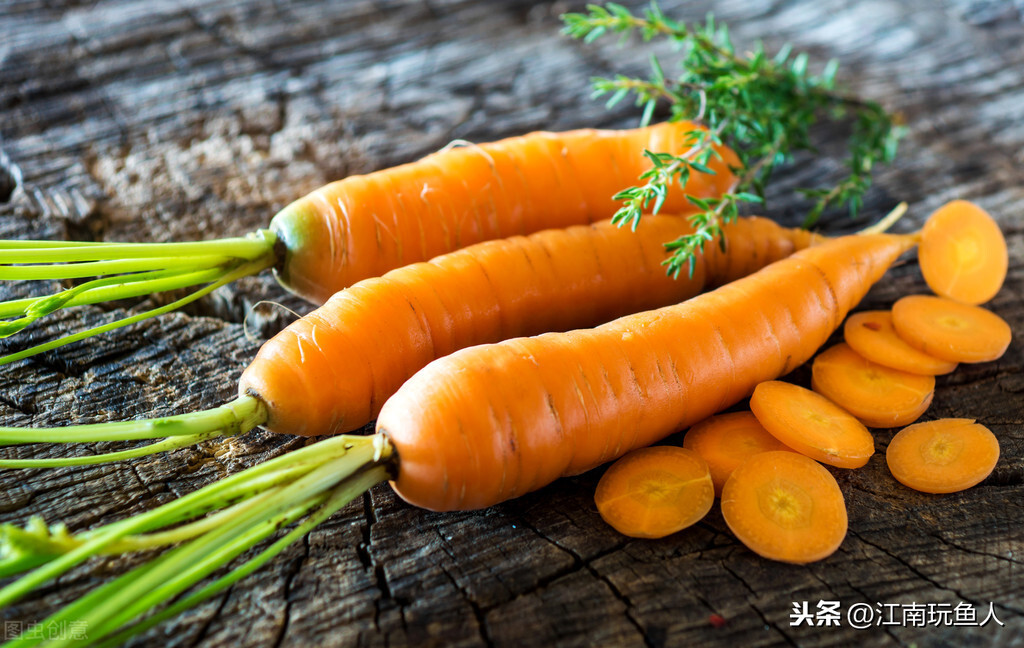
(962, 253)
(727, 440)
(942, 456)
(811, 424)
(950, 330)
(785, 506)
(654, 492)
(871, 334)
(878, 396)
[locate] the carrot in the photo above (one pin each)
(878, 396)
(495, 421)
(365, 225)
(725, 441)
(332, 370)
(812, 424)
(654, 492)
(962, 253)
(785, 506)
(942, 456)
(474, 428)
(950, 330)
(389, 328)
(872, 335)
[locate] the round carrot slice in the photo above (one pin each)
(654, 492)
(786, 507)
(878, 396)
(871, 334)
(812, 424)
(950, 330)
(962, 253)
(727, 440)
(942, 456)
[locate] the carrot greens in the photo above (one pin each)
(124, 270)
(762, 106)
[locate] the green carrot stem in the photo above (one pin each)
(240, 415)
(339, 498)
(287, 468)
(887, 221)
(97, 268)
(251, 247)
(109, 289)
(172, 443)
(334, 481)
(243, 270)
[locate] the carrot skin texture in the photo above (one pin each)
(332, 370)
(365, 225)
(493, 422)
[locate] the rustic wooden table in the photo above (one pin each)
(165, 120)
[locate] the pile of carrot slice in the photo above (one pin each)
(765, 464)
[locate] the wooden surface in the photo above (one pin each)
(165, 120)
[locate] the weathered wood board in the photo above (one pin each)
(157, 120)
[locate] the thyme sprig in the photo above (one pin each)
(762, 107)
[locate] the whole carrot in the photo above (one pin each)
(388, 328)
(482, 425)
(365, 225)
(332, 370)
(493, 422)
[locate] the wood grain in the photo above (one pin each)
(157, 120)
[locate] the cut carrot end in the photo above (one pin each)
(785, 506)
(963, 253)
(872, 335)
(950, 330)
(811, 424)
(942, 456)
(725, 441)
(654, 492)
(878, 396)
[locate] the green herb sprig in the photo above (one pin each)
(762, 107)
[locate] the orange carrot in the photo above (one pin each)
(388, 328)
(942, 456)
(332, 370)
(785, 506)
(872, 335)
(725, 441)
(962, 253)
(950, 330)
(495, 421)
(878, 396)
(812, 424)
(654, 492)
(363, 226)
(482, 425)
